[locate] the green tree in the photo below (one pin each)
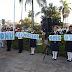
(51, 11)
(18, 25)
(40, 2)
(27, 22)
(30, 13)
(65, 9)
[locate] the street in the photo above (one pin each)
(24, 62)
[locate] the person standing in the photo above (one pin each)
(32, 42)
(16, 29)
(20, 42)
(11, 29)
(1, 41)
(61, 30)
(8, 41)
(68, 47)
(54, 44)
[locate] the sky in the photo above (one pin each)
(7, 10)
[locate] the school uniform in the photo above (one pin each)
(68, 48)
(54, 46)
(20, 42)
(32, 44)
(8, 44)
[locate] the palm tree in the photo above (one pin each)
(40, 3)
(65, 9)
(52, 12)
(30, 13)
(49, 11)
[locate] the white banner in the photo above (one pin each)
(55, 37)
(67, 37)
(7, 35)
(27, 35)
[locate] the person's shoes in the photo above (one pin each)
(68, 60)
(52, 58)
(8, 50)
(31, 54)
(55, 59)
(19, 52)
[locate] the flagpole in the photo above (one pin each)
(21, 13)
(14, 17)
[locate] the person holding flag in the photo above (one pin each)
(68, 47)
(54, 44)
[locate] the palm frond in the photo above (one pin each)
(42, 3)
(37, 13)
(27, 2)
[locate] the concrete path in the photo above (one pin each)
(24, 62)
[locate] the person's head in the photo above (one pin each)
(32, 29)
(19, 30)
(55, 28)
(8, 29)
(11, 28)
(70, 28)
(61, 27)
(3, 29)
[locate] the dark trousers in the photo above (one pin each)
(8, 45)
(20, 41)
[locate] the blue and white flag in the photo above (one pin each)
(32, 36)
(54, 37)
(19, 34)
(27, 35)
(67, 37)
(7, 35)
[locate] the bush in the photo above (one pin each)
(39, 48)
(15, 43)
(37, 28)
(26, 44)
(64, 31)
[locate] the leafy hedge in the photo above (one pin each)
(26, 44)
(39, 48)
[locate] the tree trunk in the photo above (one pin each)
(32, 15)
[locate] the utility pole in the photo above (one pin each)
(21, 13)
(32, 15)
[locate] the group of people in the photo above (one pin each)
(20, 40)
(32, 42)
(4, 29)
(55, 46)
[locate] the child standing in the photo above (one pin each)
(8, 41)
(68, 47)
(54, 44)
(32, 42)
(20, 42)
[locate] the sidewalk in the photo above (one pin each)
(14, 62)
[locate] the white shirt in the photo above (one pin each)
(67, 30)
(55, 31)
(61, 31)
(32, 32)
(8, 31)
(20, 37)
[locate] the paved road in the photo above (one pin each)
(24, 62)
